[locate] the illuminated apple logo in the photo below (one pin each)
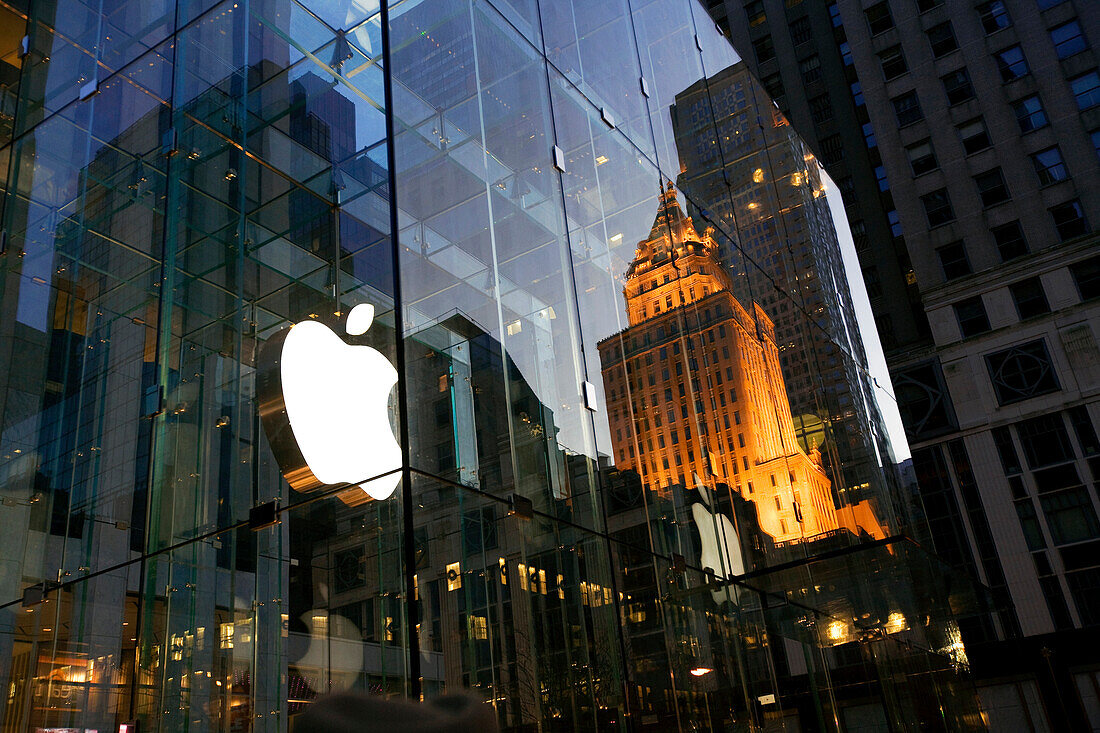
(324, 405)
(720, 549)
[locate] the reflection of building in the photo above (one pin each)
(687, 329)
(751, 174)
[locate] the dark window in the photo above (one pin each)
(1086, 89)
(754, 11)
(1067, 39)
(991, 187)
(942, 39)
(994, 16)
(907, 108)
(1095, 140)
(937, 207)
(974, 136)
(894, 220)
(1070, 516)
(1029, 297)
(925, 5)
(957, 86)
(1029, 522)
(879, 18)
(1049, 166)
(810, 68)
(1020, 373)
(893, 62)
(773, 85)
(832, 149)
(1029, 113)
(801, 32)
(857, 93)
(1010, 240)
(1086, 274)
(922, 158)
(1069, 219)
(971, 316)
(1010, 459)
(1083, 427)
(1045, 441)
(1044, 4)
(1085, 587)
(821, 109)
(953, 260)
(872, 281)
(764, 49)
(1011, 63)
(834, 15)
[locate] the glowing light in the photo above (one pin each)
(616, 238)
(895, 622)
(836, 630)
(336, 399)
(701, 671)
(758, 175)
(600, 160)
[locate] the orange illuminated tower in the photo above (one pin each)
(694, 385)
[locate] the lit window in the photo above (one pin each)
(994, 16)
(1029, 113)
(1011, 63)
(1067, 39)
(1086, 89)
(1049, 166)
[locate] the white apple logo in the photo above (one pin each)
(335, 398)
(720, 548)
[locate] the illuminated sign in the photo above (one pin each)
(324, 407)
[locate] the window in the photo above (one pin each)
(1029, 297)
(764, 49)
(974, 136)
(845, 53)
(942, 39)
(1049, 166)
(1069, 219)
(953, 260)
(1086, 88)
(957, 87)
(832, 149)
(810, 68)
(801, 32)
(859, 234)
(857, 93)
(994, 16)
(1010, 240)
(991, 187)
(907, 109)
(872, 281)
(1067, 39)
(937, 208)
(1030, 114)
(869, 135)
(879, 18)
(834, 15)
(1070, 516)
(925, 5)
(893, 63)
(894, 220)
(754, 11)
(1019, 373)
(1096, 140)
(1011, 63)
(971, 316)
(880, 176)
(821, 109)
(773, 85)
(1044, 4)
(1086, 274)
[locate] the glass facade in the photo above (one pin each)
(575, 413)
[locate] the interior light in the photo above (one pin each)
(701, 671)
